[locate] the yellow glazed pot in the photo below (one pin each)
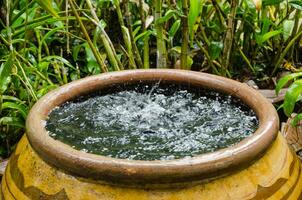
(261, 166)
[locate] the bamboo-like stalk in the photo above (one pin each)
(24, 60)
(106, 41)
(97, 55)
(126, 35)
(146, 53)
(207, 56)
(26, 81)
(284, 52)
(34, 69)
(161, 61)
(67, 28)
(204, 36)
(229, 37)
(146, 64)
(38, 37)
(9, 33)
(129, 26)
(295, 30)
(220, 13)
(246, 59)
(185, 35)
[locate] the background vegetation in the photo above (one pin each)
(47, 43)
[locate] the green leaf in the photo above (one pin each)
(75, 51)
(297, 118)
(143, 35)
(193, 14)
(128, 41)
(102, 24)
(47, 6)
(12, 121)
(11, 98)
(50, 33)
(19, 107)
(116, 3)
(283, 81)
(176, 49)
(92, 64)
(215, 49)
(174, 28)
(136, 30)
(5, 71)
(296, 4)
(260, 39)
(266, 23)
(288, 27)
(60, 59)
(45, 89)
(280, 107)
(168, 15)
(250, 4)
(74, 76)
(271, 2)
(291, 97)
(189, 62)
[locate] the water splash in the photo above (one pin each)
(152, 122)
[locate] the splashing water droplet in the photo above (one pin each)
(145, 122)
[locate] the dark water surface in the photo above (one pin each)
(152, 122)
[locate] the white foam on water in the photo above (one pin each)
(152, 125)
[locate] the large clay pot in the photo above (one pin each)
(259, 167)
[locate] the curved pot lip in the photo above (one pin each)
(123, 171)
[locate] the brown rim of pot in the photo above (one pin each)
(127, 172)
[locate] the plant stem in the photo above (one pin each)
(27, 82)
(24, 60)
(8, 29)
(220, 13)
(67, 28)
(246, 59)
(146, 53)
(161, 61)
(284, 52)
(207, 56)
(294, 32)
(229, 37)
(146, 40)
(185, 36)
(126, 35)
(97, 55)
(129, 26)
(106, 41)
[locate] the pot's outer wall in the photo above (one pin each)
(138, 173)
(260, 167)
(275, 176)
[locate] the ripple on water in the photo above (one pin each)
(152, 123)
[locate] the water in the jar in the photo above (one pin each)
(152, 122)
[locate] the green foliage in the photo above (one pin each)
(5, 72)
(194, 12)
(293, 94)
(296, 4)
(271, 2)
(261, 38)
(215, 49)
(283, 81)
(291, 97)
(47, 5)
(48, 43)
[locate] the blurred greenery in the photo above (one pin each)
(47, 43)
